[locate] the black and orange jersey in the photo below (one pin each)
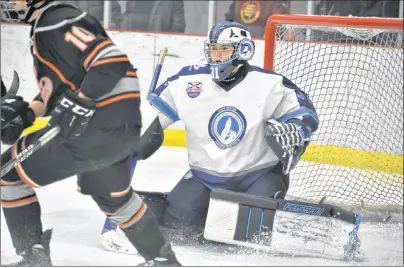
(72, 50)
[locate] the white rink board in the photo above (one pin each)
(143, 49)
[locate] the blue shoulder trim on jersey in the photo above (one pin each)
(303, 111)
(163, 107)
(185, 71)
(306, 115)
(194, 70)
(289, 84)
(163, 86)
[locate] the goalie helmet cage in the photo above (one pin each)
(352, 69)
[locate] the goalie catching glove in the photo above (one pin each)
(72, 114)
(287, 140)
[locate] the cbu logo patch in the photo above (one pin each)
(227, 127)
(194, 89)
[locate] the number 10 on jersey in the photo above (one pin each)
(79, 37)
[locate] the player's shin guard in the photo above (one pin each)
(140, 227)
(23, 216)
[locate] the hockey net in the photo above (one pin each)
(352, 69)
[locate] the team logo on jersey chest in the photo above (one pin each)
(227, 127)
(194, 89)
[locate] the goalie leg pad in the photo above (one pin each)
(286, 226)
(238, 218)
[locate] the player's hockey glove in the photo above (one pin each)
(288, 141)
(72, 114)
(15, 117)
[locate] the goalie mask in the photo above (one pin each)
(228, 47)
(20, 10)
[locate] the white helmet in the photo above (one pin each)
(233, 35)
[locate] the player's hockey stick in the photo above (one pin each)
(109, 238)
(157, 70)
(13, 90)
(24, 154)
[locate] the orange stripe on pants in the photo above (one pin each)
(117, 98)
(120, 194)
(5, 183)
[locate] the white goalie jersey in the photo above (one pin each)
(225, 126)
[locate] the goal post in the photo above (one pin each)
(352, 69)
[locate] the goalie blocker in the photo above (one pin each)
(265, 223)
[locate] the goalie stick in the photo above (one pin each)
(157, 70)
(13, 90)
(109, 238)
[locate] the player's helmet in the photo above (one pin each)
(21, 12)
(229, 46)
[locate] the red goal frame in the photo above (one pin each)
(332, 21)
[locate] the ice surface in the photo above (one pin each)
(77, 223)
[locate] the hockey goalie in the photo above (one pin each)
(243, 139)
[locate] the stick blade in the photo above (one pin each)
(13, 90)
(15, 85)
